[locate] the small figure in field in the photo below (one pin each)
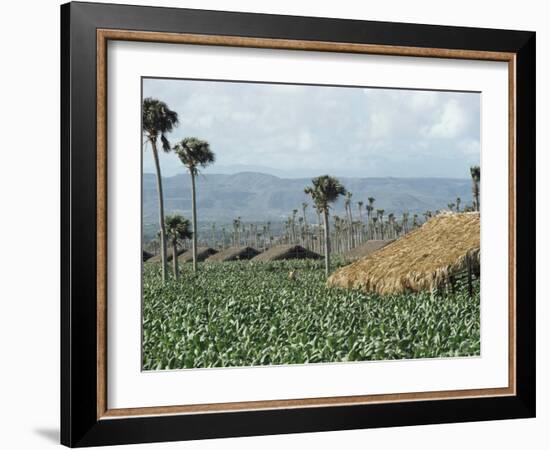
(292, 275)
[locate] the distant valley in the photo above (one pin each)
(259, 197)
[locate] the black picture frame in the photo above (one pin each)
(79, 423)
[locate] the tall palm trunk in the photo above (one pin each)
(369, 226)
(175, 258)
(306, 240)
(163, 256)
(327, 244)
(319, 233)
(194, 213)
(360, 225)
(351, 230)
(213, 235)
(475, 189)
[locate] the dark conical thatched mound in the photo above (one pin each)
(366, 249)
(423, 259)
(146, 255)
(156, 258)
(202, 254)
(279, 252)
(233, 254)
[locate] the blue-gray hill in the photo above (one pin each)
(260, 197)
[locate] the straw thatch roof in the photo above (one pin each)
(146, 255)
(233, 254)
(156, 258)
(423, 259)
(366, 249)
(202, 254)
(279, 252)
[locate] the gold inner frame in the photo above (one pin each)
(104, 35)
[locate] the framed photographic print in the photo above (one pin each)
(276, 224)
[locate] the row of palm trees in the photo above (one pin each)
(157, 121)
(296, 229)
(326, 190)
(344, 234)
(348, 232)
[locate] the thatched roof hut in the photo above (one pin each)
(366, 249)
(279, 252)
(233, 254)
(146, 255)
(156, 258)
(202, 254)
(423, 259)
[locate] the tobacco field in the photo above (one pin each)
(252, 314)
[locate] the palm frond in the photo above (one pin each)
(178, 227)
(194, 153)
(165, 143)
(158, 119)
(325, 190)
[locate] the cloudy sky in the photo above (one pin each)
(305, 131)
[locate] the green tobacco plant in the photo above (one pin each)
(251, 314)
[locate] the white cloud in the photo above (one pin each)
(241, 116)
(451, 123)
(380, 125)
(469, 147)
(305, 140)
(385, 132)
(422, 100)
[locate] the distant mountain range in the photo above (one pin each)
(259, 197)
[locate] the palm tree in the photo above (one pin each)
(319, 231)
(177, 228)
(268, 231)
(236, 232)
(294, 238)
(306, 239)
(370, 209)
(157, 121)
(223, 238)
(361, 225)
(380, 215)
(374, 232)
(214, 236)
(264, 237)
(360, 207)
(324, 191)
(337, 242)
(194, 153)
(405, 223)
(475, 173)
(347, 204)
(391, 223)
(288, 227)
(301, 230)
(153, 246)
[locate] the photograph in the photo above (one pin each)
(299, 224)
